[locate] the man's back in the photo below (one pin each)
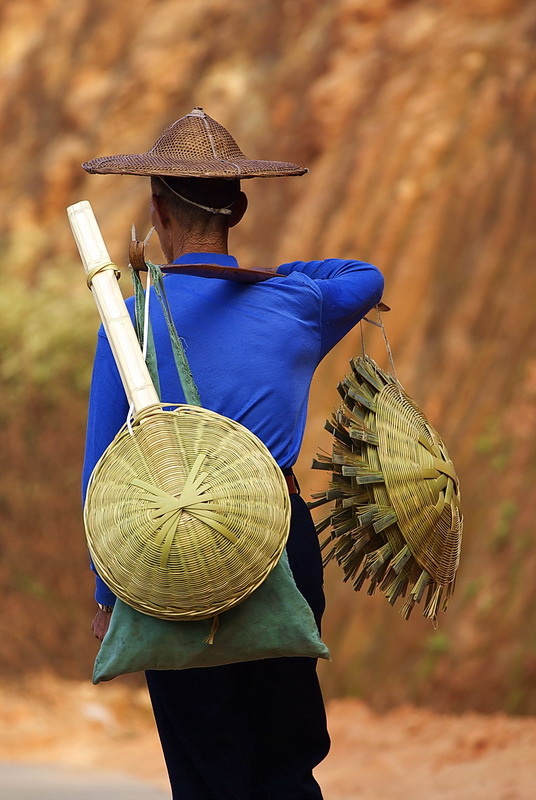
(252, 348)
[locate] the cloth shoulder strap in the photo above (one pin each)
(189, 388)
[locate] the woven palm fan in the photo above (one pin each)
(396, 522)
(186, 512)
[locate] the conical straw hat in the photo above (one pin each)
(397, 520)
(186, 515)
(195, 146)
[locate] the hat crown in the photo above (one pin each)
(195, 146)
(197, 136)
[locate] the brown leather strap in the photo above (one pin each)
(238, 274)
(292, 484)
(241, 275)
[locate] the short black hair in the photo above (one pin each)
(210, 192)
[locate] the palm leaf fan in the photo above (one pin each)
(396, 520)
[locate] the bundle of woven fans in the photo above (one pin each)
(396, 521)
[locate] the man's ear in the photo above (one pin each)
(238, 209)
(162, 224)
(159, 212)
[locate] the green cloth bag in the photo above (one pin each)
(274, 621)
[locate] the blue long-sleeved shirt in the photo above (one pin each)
(252, 349)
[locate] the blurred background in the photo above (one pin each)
(417, 121)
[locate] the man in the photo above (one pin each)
(251, 731)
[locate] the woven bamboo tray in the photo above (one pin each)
(186, 516)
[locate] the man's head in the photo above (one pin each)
(195, 210)
(195, 162)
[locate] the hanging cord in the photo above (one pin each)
(130, 411)
(189, 388)
(143, 326)
(144, 343)
(362, 332)
(223, 210)
(147, 296)
(387, 345)
(380, 325)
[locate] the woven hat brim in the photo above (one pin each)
(145, 164)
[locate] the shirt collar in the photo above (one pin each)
(221, 259)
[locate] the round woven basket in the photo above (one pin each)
(396, 520)
(186, 515)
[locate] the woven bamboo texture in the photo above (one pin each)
(190, 511)
(194, 146)
(396, 522)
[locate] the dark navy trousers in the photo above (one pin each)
(250, 731)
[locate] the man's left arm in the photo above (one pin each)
(349, 289)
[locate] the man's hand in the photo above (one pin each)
(100, 624)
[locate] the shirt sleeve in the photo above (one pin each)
(108, 409)
(349, 289)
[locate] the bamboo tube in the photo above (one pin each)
(113, 312)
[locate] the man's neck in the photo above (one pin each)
(185, 242)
